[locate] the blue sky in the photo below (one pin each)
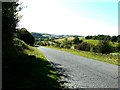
(106, 11)
(97, 10)
(70, 17)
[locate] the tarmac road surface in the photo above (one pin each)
(80, 72)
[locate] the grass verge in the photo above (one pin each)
(112, 59)
(25, 67)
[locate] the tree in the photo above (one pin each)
(118, 38)
(88, 37)
(95, 37)
(26, 36)
(104, 47)
(114, 38)
(100, 37)
(10, 19)
(107, 37)
(76, 40)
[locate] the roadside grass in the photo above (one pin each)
(25, 67)
(112, 59)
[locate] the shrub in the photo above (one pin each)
(57, 44)
(104, 47)
(61, 45)
(20, 44)
(95, 49)
(83, 46)
(67, 46)
(43, 43)
(76, 40)
(26, 36)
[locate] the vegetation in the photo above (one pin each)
(102, 37)
(91, 41)
(9, 21)
(83, 46)
(28, 68)
(24, 67)
(27, 37)
(66, 44)
(104, 47)
(108, 58)
(118, 47)
(99, 49)
(76, 40)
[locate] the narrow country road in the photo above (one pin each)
(81, 72)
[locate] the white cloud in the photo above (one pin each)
(52, 16)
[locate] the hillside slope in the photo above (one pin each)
(26, 67)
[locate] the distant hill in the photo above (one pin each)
(36, 35)
(46, 35)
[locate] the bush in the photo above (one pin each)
(67, 46)
(61, 45)
(95, 49)
(104, 47)
(44, 43)
(83, 46)
(19, 44)
(57, 44)
(76, 40)
(26, 36)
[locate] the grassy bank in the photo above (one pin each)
(112, 59)
(25, 66)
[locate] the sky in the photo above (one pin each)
(73, 17)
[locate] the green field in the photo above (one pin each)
(91, 41)
(95, 42)
(62, 39)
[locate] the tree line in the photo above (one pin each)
(102, 37)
